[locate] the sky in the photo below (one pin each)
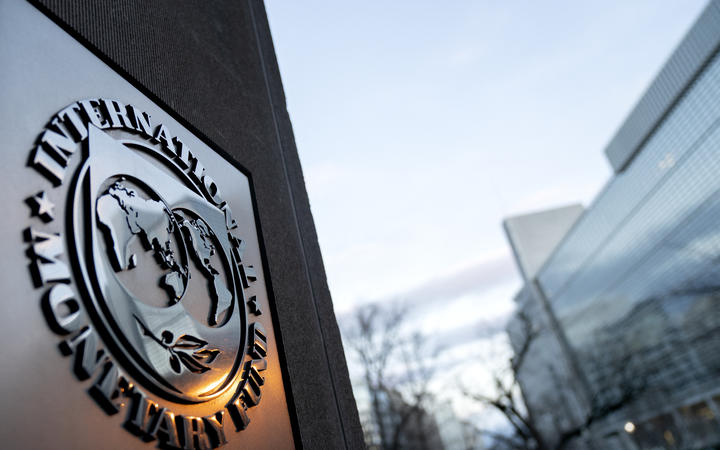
(421, 125)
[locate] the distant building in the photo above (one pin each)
(618, 323)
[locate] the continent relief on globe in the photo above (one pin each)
(203, 249)
(124, 215)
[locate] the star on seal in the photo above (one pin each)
(41, 206)
(254, 307)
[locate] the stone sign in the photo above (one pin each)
(138, 303)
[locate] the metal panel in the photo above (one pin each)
(141, 278)
(688, 60)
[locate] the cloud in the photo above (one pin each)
(480, 277)
(484, 328)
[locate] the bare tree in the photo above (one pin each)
(624, 384)
(397, 370)
(507, 399)
(373, 338)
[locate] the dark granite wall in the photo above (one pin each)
(214, 66)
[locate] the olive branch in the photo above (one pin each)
(187, 350)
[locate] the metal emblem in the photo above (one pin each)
(151, 304)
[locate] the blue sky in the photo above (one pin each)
(421, 125)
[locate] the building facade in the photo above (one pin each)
(619, 325)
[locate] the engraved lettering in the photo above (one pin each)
(108, 388)
(45, 249)
(194, 433)
(161, 135)
(182, 153)
(198, 170)
(55, 146)
(211, 190)
(252, 392)
(248, 275)
(165, 429)
(230, 222)
(116, 114)
(258, 346)
(141, 121)
(91, 110)
(238, 413)
(216, 425)
(238, 248)
(88, 354)
(62, 310)
(59, 146)
(47, 165)
(140, 415)
(72, 122)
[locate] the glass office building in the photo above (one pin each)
(624, 312)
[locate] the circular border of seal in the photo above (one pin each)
(203, 425)
(81, 214)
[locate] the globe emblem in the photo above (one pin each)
(164, 283)
(127, 216)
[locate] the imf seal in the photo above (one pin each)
(144, 276)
